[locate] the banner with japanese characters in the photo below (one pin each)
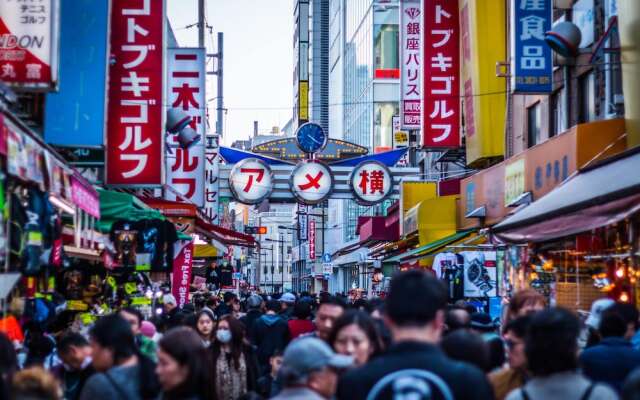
(410, 44)
(186, 92)
(531, 66)
(441, 72)
(29, 43)
(312, 240)
(211, 176)
(135, 132)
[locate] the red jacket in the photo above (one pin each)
(299, 327)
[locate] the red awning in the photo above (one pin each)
(226, 236)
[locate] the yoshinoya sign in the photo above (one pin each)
(29, 43)
(441, 106)
(371, 182)
(251, 181)
(135, 117)
(410, 44)
(186, 92)
(311, 182)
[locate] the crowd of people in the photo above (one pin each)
(412, 345)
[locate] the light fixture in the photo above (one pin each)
(624, 297)
(480, 212)
(188, 137)
(177, 120)
(564, 38)
(524, 199)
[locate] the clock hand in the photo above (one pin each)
(315, 140)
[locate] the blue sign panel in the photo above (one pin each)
(74, 116)
(532, 68)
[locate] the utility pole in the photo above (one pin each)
(201, 23)
(282, 262)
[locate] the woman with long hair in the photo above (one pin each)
(235, 366)
(204, 323)
(182, 366)
(123, 372)
(355, 334)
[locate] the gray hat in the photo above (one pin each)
(254, 301)
(288, 298)
(309, 354)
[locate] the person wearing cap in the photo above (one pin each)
(414, 366)
(309, 370)
(287, 301)
(589, 335)
(254, 311)
(172, 315)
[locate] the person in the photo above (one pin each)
(226, 307)
(309, 370)
(75, 353)
(354, 334)
(183, 368)
(205, 321)
(287, 303)
(235, 367)
(589, 335)
(414, 366)
(456, 317)
(270, 333)
(38, 344)
(301, 323)
(35, 383)
(465, 345)
(551, 348)
(254, 311)
(269, 384)
(613, 359)
(482, 324)
(631, 387)
(171, 316)
(329, 310)
(8, 365)
(134, 317)
(123, 372)
(523, 302)
(515, 374)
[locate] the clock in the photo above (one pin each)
(311, 138)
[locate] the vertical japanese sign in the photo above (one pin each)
(134, 137)
(186, 92)
(312, 239)
(400, 140)
(181, 274)
(29, 43)
(532, 63)
(410, 44)
(303, 222)
(441, 107)
(211, 175)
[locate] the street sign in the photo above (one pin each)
(327, 268)
(251, 181)
(371, 182)
(311, 182)
(326, 258)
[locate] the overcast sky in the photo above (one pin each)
(258, 59)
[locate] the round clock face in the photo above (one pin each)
(311, 138)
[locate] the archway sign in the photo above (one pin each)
(251, 178)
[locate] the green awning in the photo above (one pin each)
(116, 206)
(428, 248)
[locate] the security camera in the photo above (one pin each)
(177, 120)
(564, 38)
(188, 137)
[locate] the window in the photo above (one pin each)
(533, 125)
(586, 98)
(613, 79)
(386, 33)
(556, 113)
(383, 125)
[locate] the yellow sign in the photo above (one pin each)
(140, 301)
(401, 138)
(483, 33)
(303, 100)
(514, 179)
(77, 305)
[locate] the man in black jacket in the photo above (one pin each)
(254, 305)
(414, 367)
(269, 334)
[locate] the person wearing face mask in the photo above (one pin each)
(235, 367)
(75, 352)
(355, 334)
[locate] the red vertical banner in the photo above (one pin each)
(441, 67)
(312, 239)
(181, 276)
(134, 135)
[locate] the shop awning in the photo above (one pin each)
(116, 206)
(204, 251)
(223, 235)
(597, 196)
(356, 256)
(428, 248)
(7, 281)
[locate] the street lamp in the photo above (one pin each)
(281, 242)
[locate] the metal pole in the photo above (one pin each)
(272, 270)
(282, 262)
(201, 12)
(219, 74)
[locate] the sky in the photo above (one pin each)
(258, 60)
